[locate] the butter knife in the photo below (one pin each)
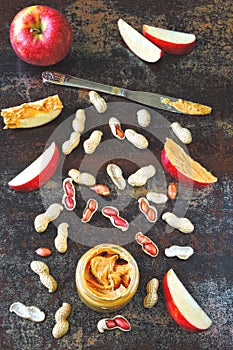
(167, 103)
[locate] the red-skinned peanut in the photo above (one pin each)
(148, 246)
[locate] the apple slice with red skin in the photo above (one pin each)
(182, 307)
(38, 172)
(182, 167)
(138, 44)
(170, 41)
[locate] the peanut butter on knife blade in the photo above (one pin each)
(188, 107)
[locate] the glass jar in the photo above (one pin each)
(107, 277)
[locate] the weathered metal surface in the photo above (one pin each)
(99, 54)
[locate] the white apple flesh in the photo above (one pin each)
(181, 305)
(138, 44)
(170, 41)
(40, 35)
(38, 172)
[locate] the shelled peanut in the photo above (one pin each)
(116, 129)
(152, 293)
(42, 220)
(92, 142)
(115, 173)
(182, 224)
(118, 321)
(73, 142)
(143, 118)
(183, 134)
(90, 209)
(61, 238)
(62, 325)
(138, 140)
(98, 102)
(84, 178)
(41, 269)
(141, 176)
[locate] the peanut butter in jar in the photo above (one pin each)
(107, 277)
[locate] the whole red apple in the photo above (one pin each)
(40, 35)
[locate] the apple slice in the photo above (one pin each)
(181, 305)
(32, 114)
(138, 44)
(38, 172)
(170, 41)
(182, 167)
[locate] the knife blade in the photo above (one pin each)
(167, 103)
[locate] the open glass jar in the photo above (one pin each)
(107, 277)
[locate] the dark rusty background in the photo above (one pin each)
(99, 54)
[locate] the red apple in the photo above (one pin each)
(182, 167)
(138, 44)
(38, 172)
(170, 41)
(40, 35)
(181, 305)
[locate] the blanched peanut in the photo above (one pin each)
(46, 279)
(183, 134)
(140, 177)
(157, 198)
(115, 127)
(79, 121)
(152, 296)
(82, 178)
(115, 173)
(72, 143)
(42, 220)
(138, 140)
(98, 102)
(92, 142)
(182, 224)
(62, 325)
(144, 118)
(61, 239)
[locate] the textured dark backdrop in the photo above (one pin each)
(98, 53)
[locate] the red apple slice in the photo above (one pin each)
(32, 114)
(170, 41)
(38, 172)
(181, 305)
(138, 44)
(182, 167)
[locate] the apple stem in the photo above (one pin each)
(36, 30)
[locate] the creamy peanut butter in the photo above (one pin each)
(188, 107)
(107, 274)
(32, 113)
(107, 277)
